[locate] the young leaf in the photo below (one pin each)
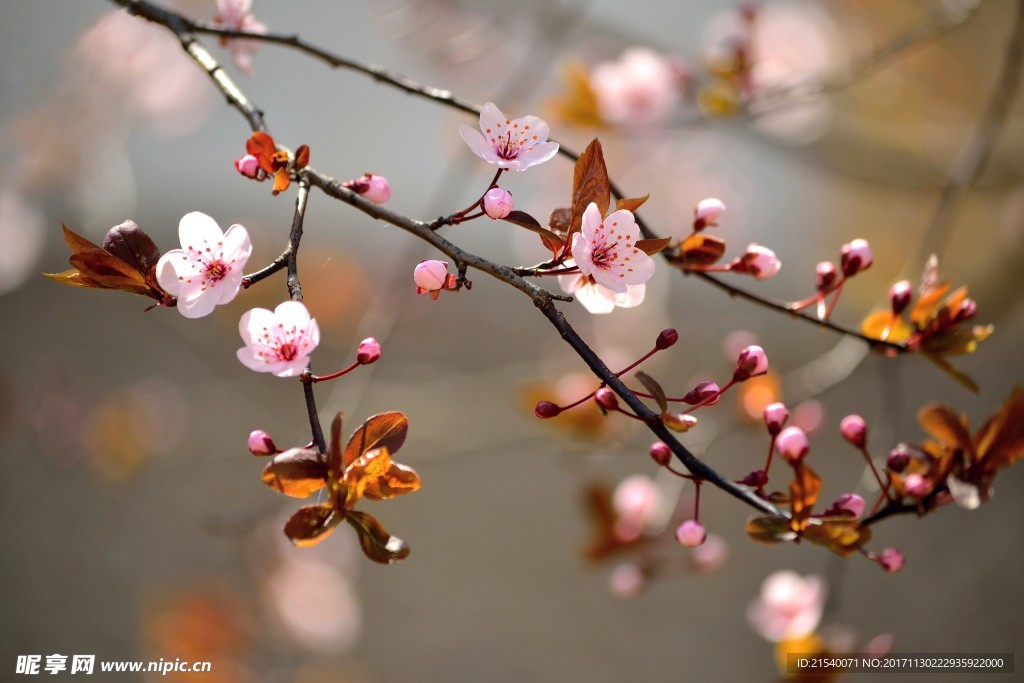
(701, 250)
(884, 326)
(589, 184)
(374, 539)
(312, 524)
(803, 494)
(301, 157)
(1000, 441)
(652, 247)
(386, 429)
(963, 378)
(377, 477)
(524, 220)
(841, 535)
(131, 244)
(559, 221)
(298, 472)
(654, 388)
(335, 461)
(770, 530)
(632, 204)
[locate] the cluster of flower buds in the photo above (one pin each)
(701, 252)
(854, 257)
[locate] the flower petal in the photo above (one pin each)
(166, 273)
(596, 299)
(196, 228)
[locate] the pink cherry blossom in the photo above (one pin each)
(207, 270)
(638, 503)
(849, 503)
(606, 250)
(626, 580)
(515, 144)
(710, 555)
(498, 203)
(278, 341)
(900, 295)
(237, 16)
(596, 298)
(641, 88)
(751, 362)
(789, 607)
(249, 166)
(891, 560)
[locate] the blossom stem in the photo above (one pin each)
(684, 475)
(768, 460)
(461, 216)
(334, 375)
(884, 487)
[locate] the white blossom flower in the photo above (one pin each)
(606, 250)
(515, 144)
(278, 341)
(207, 270)
(596, 298)
(789, 607)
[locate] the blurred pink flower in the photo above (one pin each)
(605, 249)
(596, 298)
(641, 88)
(237, 16)
(278, 342)
(515, 144)
(790, 606)
(207, 270)
(637, 502)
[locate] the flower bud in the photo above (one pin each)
(751, 362)
(260, 443)
(661, 453)
(249, 166)
(917, 485)
(430, 276)
(711, 554)
(855, 430)
(775, 416)
(855, 256)
(374, 187)
(792, 444)
(498, 203)
(825, 274)
(900, 295)
(707, 212)
(546, 409)
(891, 560)
(706, 393)
(368, 351)
(849, 503)
(755, 480)
(761, 262)
(968, 309)
(606, 398)
(626, 580)
(691, 533)
(898, 458)
(667, 338)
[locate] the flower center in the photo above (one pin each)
(605, 255)
(506, 150)
(215, 270)
(287, 351)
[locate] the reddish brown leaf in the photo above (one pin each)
(281, 181)
(374, 539)
(335, 462)
(262, 146)
(654, 389)
(525, 220)
(398, 480)
(652, 247)
(301, 157)
(770, 530)
(386, 429)
(1000, 441)
(803, 494)
(841, 535)
(945, 426)
(559, 221)
(589, 184)
(131, 244)
(312, 524)
(631, 204)
(297, 472)
(701, 250)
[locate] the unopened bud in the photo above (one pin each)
(968, 309)
(825, 274)
(606, 398)
(891, 560)
(691, 533)
(706, 393)
(368, 351)
(430, 276)
(855, 430)
(775, 416)
(848, 503)
(498, 203)
(661, 453)
(761, 262)
(917, 485)
(546, 409)
(900, 295)
(666, 339)
(855, 256)
(626, 580)
(792, 444)
(707, 212)
(249, 166)
(260, 443)
(751, 362)
(898, 458)
(374, 187)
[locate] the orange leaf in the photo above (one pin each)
(301, 157)
(632, 204)
(262, 146)
(701, 249)
(770, 530)
(803, 494)
(589, 184)
(377, 543)
(385, 429)
(885, 326)
(99, 268)
(652, 247)
(654, 388)
(927, 304)
(559, 221)
(281, 181)
(298, 472)
(843, 536)
(1000, 441)
(945, 426)
(312, 524)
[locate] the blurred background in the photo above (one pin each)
(134, 521)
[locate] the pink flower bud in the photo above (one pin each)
(430, 276)
(498, 203)
(374, 187)
(792, 444)
(661, 453)
(761, 262)
(917, 485)
(711, 554)
(546, 409)
(855, 256)
(249, 166)
(855, 430)
(707, 212)
(751, 362)
(849, 503)
(260, 443)
(606, 398)
(368, 351)
(891, 560)
(626, 580)
(968, 309)
(775, 416)
(898, 458)
(900, 295)
(706, 393)
(691, 533)
(825, 275)
(666, 339)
